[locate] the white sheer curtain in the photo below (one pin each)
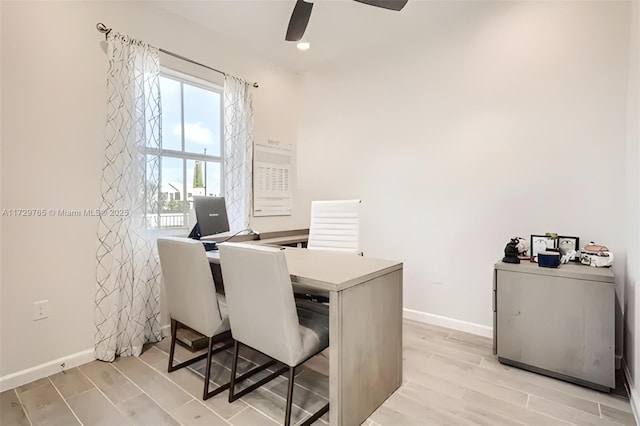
(127, 311)
(238, 151)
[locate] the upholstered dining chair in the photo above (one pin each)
(192, 300)
(264, 315)
(335, 226)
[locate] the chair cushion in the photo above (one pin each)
(314, 327)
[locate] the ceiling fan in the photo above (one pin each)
(302, 13)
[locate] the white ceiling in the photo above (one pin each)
(336, 28)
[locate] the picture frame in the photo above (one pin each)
(566, 243)
(540, 243)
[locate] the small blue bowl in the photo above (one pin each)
(549, 259)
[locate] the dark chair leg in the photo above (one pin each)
(316, 416)
(207, 373)
(287, 417)
(234, 366)
(287, 414)
(210, 351)
(174, 331)
(232, 394)
(172, 349)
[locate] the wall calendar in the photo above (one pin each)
(272, 176)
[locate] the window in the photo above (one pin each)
(191, 150)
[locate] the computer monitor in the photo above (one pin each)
(211, 216)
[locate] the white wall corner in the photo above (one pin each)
(468, 327)
(633, 392)
(28, 375)
(618, 362)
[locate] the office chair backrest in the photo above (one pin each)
(335, 225)
(191, 293)
(262, 310)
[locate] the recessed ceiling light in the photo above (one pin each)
(303, 45)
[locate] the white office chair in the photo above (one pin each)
(264, 315)
(335, 225)
(193, 302)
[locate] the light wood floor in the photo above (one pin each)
(450, 378)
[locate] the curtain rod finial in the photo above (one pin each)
(103, 28)
(255, 84)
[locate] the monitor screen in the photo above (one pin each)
(211, 214)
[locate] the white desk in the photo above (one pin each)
(365, 331)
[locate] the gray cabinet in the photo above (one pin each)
(556, 321)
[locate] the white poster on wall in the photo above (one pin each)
(272, 168)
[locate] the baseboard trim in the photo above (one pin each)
(468, 327)
(633, 393)
(165, 330)
(28, 375)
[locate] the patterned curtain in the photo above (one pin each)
(238, 151)
(127, 311)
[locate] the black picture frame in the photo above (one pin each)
(535, 245)
(566, 243)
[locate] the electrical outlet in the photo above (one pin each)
(40, 310)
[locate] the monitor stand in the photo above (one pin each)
(196, 235)
(195, 232)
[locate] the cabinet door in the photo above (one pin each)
(563, 325)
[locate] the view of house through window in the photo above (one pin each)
(191, 150)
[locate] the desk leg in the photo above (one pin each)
(365, 338)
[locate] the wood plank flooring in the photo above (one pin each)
(450, 378)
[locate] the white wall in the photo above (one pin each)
(503, 119)
(53, 117)
(632, 319)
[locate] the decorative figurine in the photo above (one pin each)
(596, 255)
(523, 247)
(511, 251)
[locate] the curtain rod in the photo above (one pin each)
(102, 28)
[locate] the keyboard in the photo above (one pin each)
(311, 297)
(209, 245)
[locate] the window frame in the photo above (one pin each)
(183, 155)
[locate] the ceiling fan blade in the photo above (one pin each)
(299, 20)
(386, 4)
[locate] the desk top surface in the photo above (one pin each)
(329, 270)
